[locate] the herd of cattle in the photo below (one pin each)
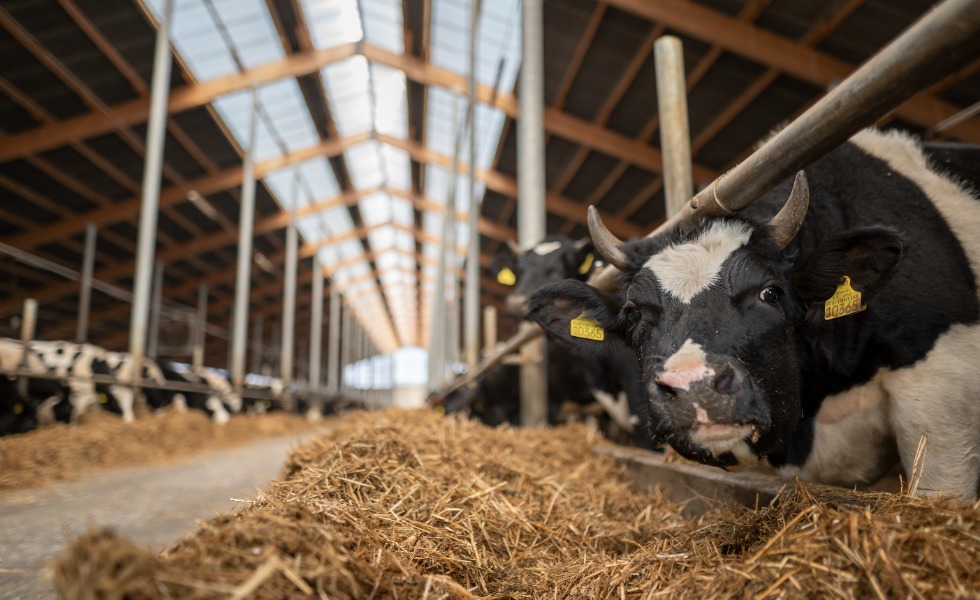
(835, 334)
(68, 380)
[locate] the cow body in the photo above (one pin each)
(740, 362)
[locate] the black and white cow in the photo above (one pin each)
(218, 402)
(754, 343)
(574, 384)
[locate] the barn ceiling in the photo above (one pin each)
(361, 107)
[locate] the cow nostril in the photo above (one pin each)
(724, 382)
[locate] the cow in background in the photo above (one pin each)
(578, 389)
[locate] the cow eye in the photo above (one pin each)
(769, 295)
(631, 313)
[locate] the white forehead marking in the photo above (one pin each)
(546, 248)
(686, 269)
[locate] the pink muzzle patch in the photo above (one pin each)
(681, 379)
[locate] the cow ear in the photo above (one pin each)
(868, 256)
(580, 316)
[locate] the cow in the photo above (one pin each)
(215, 402)
(830, 338)
(574, 385)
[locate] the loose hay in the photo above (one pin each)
(413, 505)
(62, 452)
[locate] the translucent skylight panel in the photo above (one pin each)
(328, 257)
(251, 28)
(443, 105)
(436, 184)
(350, 248)
(197, 40)
(363, 162)
(318, 180)
(402, 212)
(309, 227)
(333, 22)
(388, 260)
(347, 89)
(337, 219)
(397, 167)
(406, 241)
(375, 209)
(432, 223)
(383, 23)
(284, 105)
(381, 238)
(236, 109)
(390, 113)
(284, 185)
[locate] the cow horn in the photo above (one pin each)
(515, 248)
(605, 242)
(787, 223)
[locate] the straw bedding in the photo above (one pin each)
(412, 505)
(62, 452)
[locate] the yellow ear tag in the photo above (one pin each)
(103, 399)
(506, 277)
(586, 264)
(845, 301)
(586, 328)
(18, 408)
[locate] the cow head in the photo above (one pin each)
(718, 314)
(554, 259)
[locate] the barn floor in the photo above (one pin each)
(151, 505)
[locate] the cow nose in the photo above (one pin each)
(721, 378)
(516, 304)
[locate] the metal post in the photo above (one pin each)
(450, 349)
(85, 294)
(28, 326)
(316, 326)
(437, 322)
(155, 307)
(258, 357)
(149, 203)
(675, 136)
(288, 309)
(333, 343)
(489, 330)
(345, 352)
(244, 274)
(471, 301)
(197, 359)
(391, 378)
(531, 193)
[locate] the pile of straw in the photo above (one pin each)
(63, 452)
(413, 505)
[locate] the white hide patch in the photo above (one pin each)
(546, 248)
(685, 367)
(687, 269)
(851, 438)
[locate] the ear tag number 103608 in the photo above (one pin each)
(845, 301)
(586, 328)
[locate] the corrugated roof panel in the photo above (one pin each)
(333, 22)
(363, 162)
(375, 209)
(347, 89)
(382, 21)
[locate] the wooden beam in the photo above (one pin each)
(134, 112)
(127, 210)
(771, 50)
